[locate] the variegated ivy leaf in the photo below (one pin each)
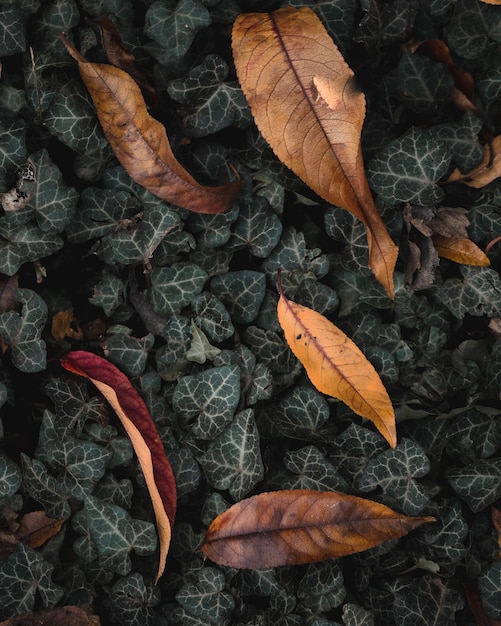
(44, 488)
(355, 615)
(322, 587)
(301, 412)
(489, 585)
(477, 293)
(24, 575)
(258, 228)
(207, 400)
(211, 104)
(408, 169)
(212, 231)
(122, 10)
(426, 600)
(171, 358)
(395, 471)
(10, 476)
(173, 288)
(214, 261)
(270, 348)
(55, 17)
(478, 484)
(174, 25)
(200, 349)
(113, 491)
(187, 471)
(12, 32)
(446, 541)
(474, 25)
(317, 296)
(233, 461)
(345, 228)
(108, 293)
(212, 317)
(13, 151)
(21, 331)
(207, 598)
(242, 293)
(312, 471)
(129, 353)
(461, 139)
(474, 435)
(132, 601)
(109, 535)
(108, 437)
(24, 243)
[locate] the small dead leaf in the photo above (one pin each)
(36, 528)
(306, 105)
(297, 526)
(476, 607)
(486, 171)
(8, 293)
(142, 431)
(140, 142)
(335, 365)
(18, 197)
(65, 325)
(60, 616)
(460, 250)
(495, 327)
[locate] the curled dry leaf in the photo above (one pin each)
(140, 142)
(297, 526)
(305, 102)
(143, 433)
(460, 250)
(486, 171)
(335, 365)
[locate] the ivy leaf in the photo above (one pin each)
(108, 293)
(478, 484)
(472, 29)
(10, 476)
(477, 293)
(395, 471)
(312, 471)
(301, 412)
(258, 229)
(175, 28)
(461, 139)
(111, 533)
(233, 461)
(211, 104)
(242, 292)
(474, 435)
(423, 84)
(489, 585)
(408, 168)
(13, 151)
(22, 332)
(208, 400)
(354, 615)
(212, 317)
(271, 349)
(44, 488)
(322, 588)
(426, 600)
(24, 243)
(24, 575)
(12, 32)
(207, 598)
(130, 353)
(173, 288)
(446, 540)
(200, 349)
(132, 601)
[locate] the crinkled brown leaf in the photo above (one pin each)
(142, 431)
(140, 142)
(297, 526)
(486, 171)
(336, 366)
(65, 325)
(460, 250)
(305, 102)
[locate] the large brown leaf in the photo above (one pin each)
(305, 102)
(140, 142)
(297, 526)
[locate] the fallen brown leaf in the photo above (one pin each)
(486, 171)
(60, 616)
(460, 250)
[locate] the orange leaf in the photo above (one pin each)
(137, 422)
(140, 142)
(297, 526)
(460, 250)
(305, 102)
(335, 365)
(486, 171)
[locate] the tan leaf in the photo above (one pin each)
(336, 366)
(460, 250)
(486, 171)
(140, 142)
(297, 526)
(307, 106)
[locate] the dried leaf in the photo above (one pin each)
(495, 2)
(460, 250)
(9, 300)
(335, 365)
(65, 325)
(36, 528)
(60, 616)
(140, 142)
(135, 418)
(297, 526)
(486, 171)
(304, 100)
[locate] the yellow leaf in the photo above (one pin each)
(336, 366)
(460, 250)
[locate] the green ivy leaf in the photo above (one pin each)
(395, 471)
(24, 243)
(355, 615)
(426, 600)
(23, 576)
(132, 601)
(474, 25)
(424, 85)
(477, 293)
(257, 229)
(408, 168)
(474, 435)
(56, 17)
(129, 353)
(312, 471)
(212, 317)
(212, 231)
(301, 412)
(10, 476)
(174, 27)
(187, 471)
(113, 491)
(489, 585)
(242, 292)
(234, 461)
(109, 535)
(13, 153)
(22, 332)
(207, 598)
(270, 348)
(211, 103)
(322, 587)
(200, 349)
(108, 293)
(346, 228)
(12, 33)
(208, 400)
(44, 488)
(447, 537)
(173, 288)
(387, 24)
(478, 484)
(461, 139)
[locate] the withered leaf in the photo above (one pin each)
(460, 250)
(486, 171)
(297, 526)
(140, 142)
(305, 102)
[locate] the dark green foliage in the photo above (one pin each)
(185, 305)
